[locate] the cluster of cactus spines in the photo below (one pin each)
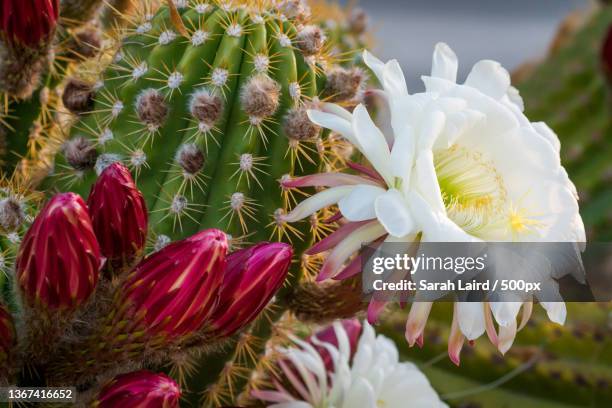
(210, 111)
(548, 365)
(7, 345)
(568, 86)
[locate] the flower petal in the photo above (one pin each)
(371, 142)
(444, 63)
(318, 201)
(556, 311)
(376, 65)
(334, 123)
(506, 337)
(358, 205)
(393, 213)
(471, 319)
(395, 83)
(402, 155)
(490, 78)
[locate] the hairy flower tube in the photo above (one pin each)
(252, 277)
(118, 214)
(373, 377)
(142, 389)
(59, 258)
(457, 163)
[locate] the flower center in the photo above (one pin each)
(472, 190)
(476, 199)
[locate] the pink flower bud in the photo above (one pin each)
(28, 22)
(252, 277)
(7, 338)
(173, 292)
(118, 215)
(59, 258)
(142, 389)
(352, 327)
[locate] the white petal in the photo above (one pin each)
(376, 65)
(556, 311)
(334, 123)
(337, 110)
(436, 227)
(433, 124)
(471, 319)
(393, 213)
(402, 155)
(506, 337)
(372, 142)
(505, 312)
(548, 134)
(426, 181)
(361, 394)
(318, 201)
(490, 78)
(358, 205)
(395, 83)
(444, 63)
(515, 97)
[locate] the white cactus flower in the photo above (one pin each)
(373, 377)
(456, 163)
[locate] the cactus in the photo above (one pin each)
(567, 87)
(208, 111)
(206, 103)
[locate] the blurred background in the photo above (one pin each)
(507, 31)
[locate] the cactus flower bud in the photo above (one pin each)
(28, 21)
(142, 389)
(27, 29)
(59, 258)
(7, 341)
(252, 278)
(173, 292)
(118, 215)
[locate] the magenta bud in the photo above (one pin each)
(173, 292)
(252, 278)
(59, 258)
(28, 22)
(118, 214)
(142, 389)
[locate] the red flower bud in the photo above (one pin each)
(173, 292)
(118, 215)
(252, 277)
(7, 338)
(59, 258)
(352, 327)
(28, 22)
(606, 55)
(142, 389)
